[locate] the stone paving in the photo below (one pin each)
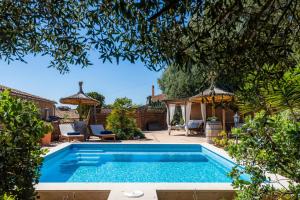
(175, 137)
(162, 137)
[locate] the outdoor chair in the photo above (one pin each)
(99, 131)
(67, 131)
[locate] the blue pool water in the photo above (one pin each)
(135, 163)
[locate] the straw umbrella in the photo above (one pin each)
(80, 98)
(213, 95)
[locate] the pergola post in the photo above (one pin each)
(95, 115)
(224, 119)
(168, 118)
(213, 110)
(185, 125)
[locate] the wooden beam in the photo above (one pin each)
(224, 118)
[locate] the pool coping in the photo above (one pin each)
(144, 186)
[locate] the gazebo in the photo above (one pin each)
(206, 98)
(213, 95)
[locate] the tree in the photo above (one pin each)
(84, 109)
(21, 130)
(232, 38)
(176, 83)
(121, 120)
(269, 143)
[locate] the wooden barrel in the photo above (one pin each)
(212, 130)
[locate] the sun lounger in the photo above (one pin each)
(67, 131)
(99, 131)
(195, 125)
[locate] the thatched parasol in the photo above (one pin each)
(79, 99)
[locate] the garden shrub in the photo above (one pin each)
(222, 140)
(267, 144)
(121, 121)
(20, 152)
(7, 197)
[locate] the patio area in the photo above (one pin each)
(176, 137)
(152, 137)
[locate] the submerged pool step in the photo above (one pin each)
(136, 153)
(90, 151)
(145, 157)
(87, 162)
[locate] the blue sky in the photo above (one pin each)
(131, 80)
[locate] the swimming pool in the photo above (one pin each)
(144, 163)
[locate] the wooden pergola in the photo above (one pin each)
(214, 95)
(211, 95)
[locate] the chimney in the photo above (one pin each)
(153, 91)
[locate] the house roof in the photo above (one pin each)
(66, 113)
(24, 95)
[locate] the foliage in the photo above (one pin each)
(267, 144)
(230, 37)
(83, 110)
(49, 126)
(176, 83)
(20, 151)
(121, 120)
(177, 118)
(280, 94)
(212, 119)
(108, 106)
(155, 105)
(222, 140)
(7, 197)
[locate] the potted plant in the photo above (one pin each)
(212, 119)
(212, 129)
(46, 140)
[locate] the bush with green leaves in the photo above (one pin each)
(121, 120)
(222, 140)
(267, 144)
(7, 197)
(21, 130)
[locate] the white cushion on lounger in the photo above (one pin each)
(67, 128)
(194, 124)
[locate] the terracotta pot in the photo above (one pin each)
(46, 140)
